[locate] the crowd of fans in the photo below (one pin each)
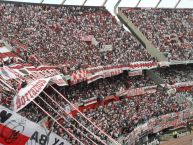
(11, 87)
(54, 34)
(118, 118)
(105, 87)
(170, 30)
(82, 91)
(99, 89)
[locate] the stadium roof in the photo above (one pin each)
(124, 3)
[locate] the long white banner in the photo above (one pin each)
(17, 130)
(138, 91)
(104, 74)
(29, 93)
(178, 85)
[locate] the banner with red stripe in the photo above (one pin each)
(17, 130)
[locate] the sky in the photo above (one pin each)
(124, 3)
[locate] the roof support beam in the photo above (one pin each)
(104, 3)
(158, 4)
(177, 4)
(116, 6)
(84, 2)
(62, 3)
(138, 3)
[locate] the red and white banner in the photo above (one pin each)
(106, 48)
(132, 66)
(135, 92)
(99, 71)
(58, 79)
(179, 85)
(17, 130)
(104, 74)
(22, 72)
(94, 77)
(183, 84)
(89, 101)
(135, 73)
(129, 93)
(78, 76)
(87, 38)
(142, 65)
(138, 91)
(29, 93)
(5, 53)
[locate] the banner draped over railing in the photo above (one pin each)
(17, 130)
(33, 89)
(135, 73)
(154, 125)
(89, 74)
(103, 74)
(179, 85)
(138, 91)
(29, 93)
(128, 93)
(59, 80)
(96, 73)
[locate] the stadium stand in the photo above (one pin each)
(61, 35)
(170, 30)
(116, 101)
